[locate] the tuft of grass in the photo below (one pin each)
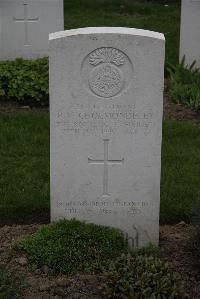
(185, 84)
(9, 286)
(72, 246)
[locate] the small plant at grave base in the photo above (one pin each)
(138, 276)
(25, 80)
(9, 286)
(185, 84)
(72, 246)
(150, 250)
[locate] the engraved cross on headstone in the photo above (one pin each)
(26, 20)
(105, 162)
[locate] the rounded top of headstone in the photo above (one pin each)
(106, 30)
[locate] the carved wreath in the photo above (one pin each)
(107, 55)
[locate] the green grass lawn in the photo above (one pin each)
(24, 175)
(126, 13)
(24, 172)
(180, 170)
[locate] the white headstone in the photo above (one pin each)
(190, 31)
(25, 27)
(106, 101)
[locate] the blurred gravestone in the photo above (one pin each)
(190, 31)
(106, 99)
(25, 27)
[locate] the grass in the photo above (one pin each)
(24, 160)
(72, 247)
(180, 170)
(126, 13)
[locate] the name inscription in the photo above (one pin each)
(94, 119)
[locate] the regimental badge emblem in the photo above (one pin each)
(106, 72)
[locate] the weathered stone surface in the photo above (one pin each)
(106, 99)
(25, 26)
(190, 31)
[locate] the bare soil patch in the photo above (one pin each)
(179, 112)
(175, 244)
(8, 106)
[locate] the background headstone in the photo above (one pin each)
(25, 26)
(106, 101)
(190, 31)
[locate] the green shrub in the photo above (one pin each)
(9, 286)
(150, 250)
(142, 277)
(185, 84)
(25, 80)
(71, 246)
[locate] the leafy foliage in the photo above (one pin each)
(71, 246)
(185, 84)
(142, 277)
(9, 286)
(25, 80)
